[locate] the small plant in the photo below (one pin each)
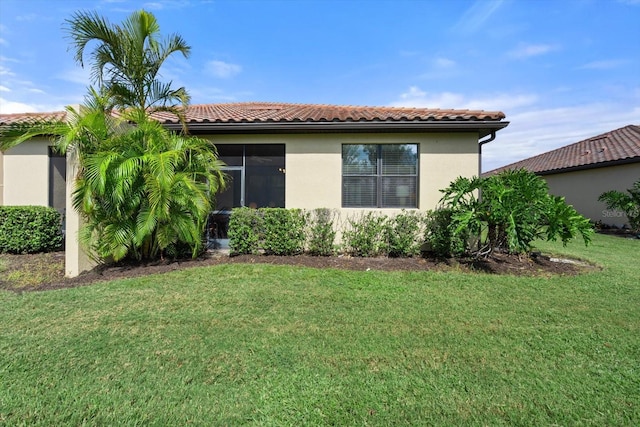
(627, 203)
(439, 235)
(321, 232)
(283, 231)
(244, 231)
(365, 235)
(403, 234)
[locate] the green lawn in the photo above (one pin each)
(278, 345)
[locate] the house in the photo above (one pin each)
(582, 171)
(347, 158)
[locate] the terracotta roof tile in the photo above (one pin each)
(284, 112)
(617, 145)
(8, 119)
(263, 112)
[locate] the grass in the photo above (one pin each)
(279, 345)
(45, 268)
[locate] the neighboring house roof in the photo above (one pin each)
(25, 118)
(283, 117)
(611, 148)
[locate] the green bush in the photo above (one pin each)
(245, 225)
(403, 234)
(283, 231)
(365, 235)
(627, 203)
(321, 232)
(439, 235)
(30, 229)
(515, 209)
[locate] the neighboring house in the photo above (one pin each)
(347, 158)
(581, 172)
(31, 173)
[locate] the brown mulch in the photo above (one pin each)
(497, 264)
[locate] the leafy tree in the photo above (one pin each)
(508, 211)
(627, 203)
(142, 190)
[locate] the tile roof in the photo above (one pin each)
(25, 118)
(261, 112)
(620, 145)
(283, 112)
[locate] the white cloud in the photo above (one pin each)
(7, 59)
(532, 129)
(27, 18)
(475, 17)
(222, 69)
(537, 131)
(165, 4)
(606, 64)
(524, 51)
(10, 107)
(4, 89)
(4, 71)
(3, 41)
(444, 63)
(78, 75)
(415, 97)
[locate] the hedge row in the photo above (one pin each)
(278, 231)
(30, 229)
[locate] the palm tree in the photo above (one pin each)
(142, 190)
(127, 59)
(147, 192)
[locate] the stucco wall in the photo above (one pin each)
(26, 174)
(582, 189)
(314, 163)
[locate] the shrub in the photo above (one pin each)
(283, 231)
(321, 232)
(439, 235)
(30, 229)
(403, 234)
(244, 231)
(365, 235)
(627, 203)
(514, 209)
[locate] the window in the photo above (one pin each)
(256, 173)
(380, 175)
(57, 180)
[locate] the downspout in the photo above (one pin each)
(480, 144)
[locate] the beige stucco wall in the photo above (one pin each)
(313, 173)
(76, 259)
(582, 189)
(25, 174)
(314, 163)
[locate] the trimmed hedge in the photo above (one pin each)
(321, 232)
(280, 231)
(283, 231)
(30, 229)
(245, 226)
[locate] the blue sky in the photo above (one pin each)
(561, 71)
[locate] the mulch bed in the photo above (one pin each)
(497, 264)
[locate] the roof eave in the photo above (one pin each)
(628, 160)
(483, 127)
